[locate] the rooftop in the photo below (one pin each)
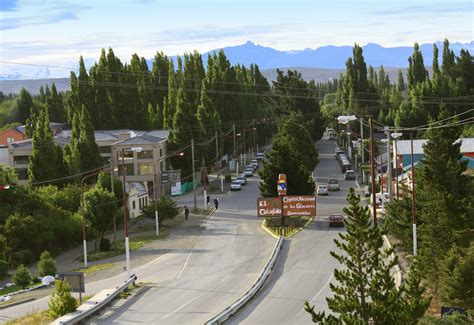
(404, 146)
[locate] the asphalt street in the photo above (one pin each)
(305, 266)
(191, 287)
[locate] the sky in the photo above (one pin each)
(54, 32)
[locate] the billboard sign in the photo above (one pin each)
(269, 207)
(299, 205)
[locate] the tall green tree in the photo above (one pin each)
(24, 103)
(100, 208)
(366, 292)
(88, 149)
(55, 106)
(283, 159)
(416, 69)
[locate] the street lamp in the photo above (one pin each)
(396, 135)
(84, 239)
(125, 219)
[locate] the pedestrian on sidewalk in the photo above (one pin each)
(216, 203)
(208, 200)
(186, 212)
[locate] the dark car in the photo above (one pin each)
(336, 220)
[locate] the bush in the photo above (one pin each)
(21, 257)
(61, 302)
(46, 264)
(22, 276)
(228, 178)
(104, 245)
(3, 268)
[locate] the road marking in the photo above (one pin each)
(318, 293)
(185, 264)
(357, 184)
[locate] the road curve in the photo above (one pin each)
(305, 267)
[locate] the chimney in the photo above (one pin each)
(124, 136)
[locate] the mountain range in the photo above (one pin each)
(319, 64)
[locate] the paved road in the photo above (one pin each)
(305, 267)
(191, 287)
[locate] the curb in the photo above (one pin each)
(17, 303)
(209, 216)
(398, 272)
(301, 228)
(263, 225)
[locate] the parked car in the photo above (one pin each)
(236, 185)
(248, 171)
(338, 151)
(322, 190)
(254, 162)
(336, 220)
(345, 166)
(243, 179)
(333, 185)
(350, 175)
(260, 156)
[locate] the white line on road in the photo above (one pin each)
(318, 293)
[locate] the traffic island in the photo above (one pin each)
(292, 226)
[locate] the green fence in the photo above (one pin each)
(188, 186)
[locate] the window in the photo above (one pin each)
(21, 160)
(161, 152)
(105, 149)
(129, 170)
(133, 204)
(127, 154)
(145, 169)
(145, 154)
(10, 139)
(22, 174)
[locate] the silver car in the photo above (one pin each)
(322, 190)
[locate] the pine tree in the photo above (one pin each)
(54, 105)
(400, 82)
(448, 65)
(435, 65)
(457, 277)
(366, 292)
(72, 155)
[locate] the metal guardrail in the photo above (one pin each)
(87, 309)
(233, 308)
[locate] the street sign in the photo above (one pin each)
(299, 205)
(74, 279)
(269, 207)
(281, 184)
(165, 177)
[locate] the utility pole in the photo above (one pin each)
(254, 135)
(113, 192)
(194, 176)
(233, 131)
(413, 196)
(389, 166)
(362, 147)
(218, 163)
(245, 158)
(372, 171)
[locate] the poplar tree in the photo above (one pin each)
(416, 68)
(24, 103)
(55, 107)
(400, 82)
(88, 149)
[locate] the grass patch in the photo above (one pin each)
(41, 318)
(135, 243)
(93, 268)
(16, 288)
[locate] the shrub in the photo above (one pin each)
(3, 268)
(22, 276)
(46, 264)
(61, 302)
(228, 178)
(105, 245)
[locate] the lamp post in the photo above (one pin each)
(125, 216)
(84, 239)
(396, 135)
(413, 196)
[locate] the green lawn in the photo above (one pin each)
(93, 268)
(16, 288)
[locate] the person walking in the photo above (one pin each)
(208, 200)
(186, 212)
(216, 203)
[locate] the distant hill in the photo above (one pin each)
(316, 74)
